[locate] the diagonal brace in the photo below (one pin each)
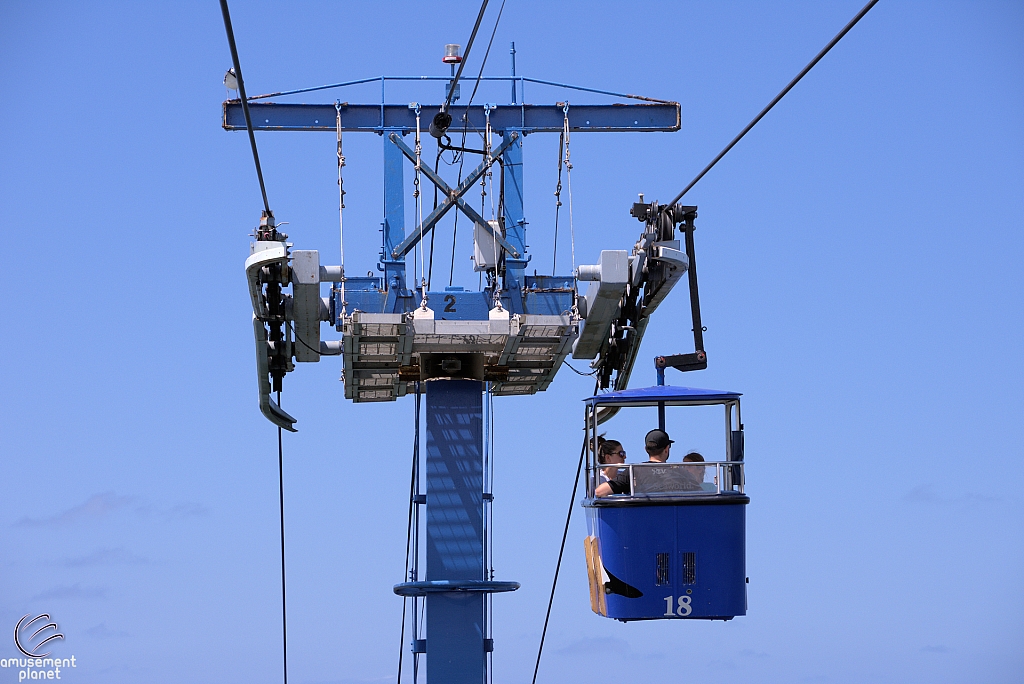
(447, 204)
(453, 199)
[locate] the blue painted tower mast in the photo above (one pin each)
(452, 347)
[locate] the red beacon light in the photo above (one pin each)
(451, 54)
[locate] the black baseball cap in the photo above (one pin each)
(658, 439)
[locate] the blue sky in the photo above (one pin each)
(860, 280)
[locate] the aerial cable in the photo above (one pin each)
(824, 51)
(433, 233)
(460, 156)
(302, 341)
(268, 213)
(561, 551)
(465, 56)
(579, 372)
(442, 120)
(245, 103)
(280, 483)
(412, 530)
(480, 73)
(341, 209)
(455, 229)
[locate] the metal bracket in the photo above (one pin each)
(274, 413)
(266, 253)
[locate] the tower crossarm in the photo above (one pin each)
(376, 118)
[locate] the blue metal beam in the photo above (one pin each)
(515, 220)
(394, 223)
(377, 118)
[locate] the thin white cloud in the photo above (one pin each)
(96, 506)
(101, 505)
(595, 645)
(74, 591)
(926, 494)
(936, 649)
(101, 631)
(117, 556)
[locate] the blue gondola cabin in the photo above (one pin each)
(667, 551)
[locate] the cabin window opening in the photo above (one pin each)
(663, 574)
(689, 567)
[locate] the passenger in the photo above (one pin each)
(609, 451)
(647, 480)
(696, 473)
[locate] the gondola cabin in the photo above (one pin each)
(670, 541)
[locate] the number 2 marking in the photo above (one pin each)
(449, 303)
(683, 608)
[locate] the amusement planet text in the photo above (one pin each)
(33, 668)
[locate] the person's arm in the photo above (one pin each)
(619, 485)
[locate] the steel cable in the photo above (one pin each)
(561, 551)
(487, 53)
(284, 604)
(410, 548)
(280, 438)
(824, 51)
(245, 103)
(465, 56)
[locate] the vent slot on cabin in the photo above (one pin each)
(662, 572)
(689, 567)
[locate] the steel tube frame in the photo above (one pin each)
(377, 118)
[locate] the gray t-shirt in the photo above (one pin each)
(656, 479)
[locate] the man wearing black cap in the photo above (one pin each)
(658, 445)
(651, 479)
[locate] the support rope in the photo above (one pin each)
(284, 604)
(561, 551)
(412, 528)
(558, 200)
(245, 102)
(782, 94)
(465, 56)
(568, 184)
(572, 228)
(480, 74)
(455, 229)
(488, 161)
(417, 195)
(433, 233)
